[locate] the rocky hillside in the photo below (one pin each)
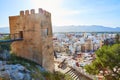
(17, 68)
(14, 71)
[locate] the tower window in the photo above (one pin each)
(21, 34)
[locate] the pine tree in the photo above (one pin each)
(108, 61)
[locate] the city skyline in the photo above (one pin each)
(67, 12)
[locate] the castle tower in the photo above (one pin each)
(36, 31)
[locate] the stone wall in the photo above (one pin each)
(36, 31)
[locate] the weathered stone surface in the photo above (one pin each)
(36, 31)
(5, 55)
(14, 72)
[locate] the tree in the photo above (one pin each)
(5, 46)
(107, 61)
(117, 38)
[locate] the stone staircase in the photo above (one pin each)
(75, 72)
(76, 75)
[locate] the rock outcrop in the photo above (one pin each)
(5, 55)
(14, 72)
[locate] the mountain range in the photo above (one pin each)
(84, 28)
(72, 28)
(4, 30)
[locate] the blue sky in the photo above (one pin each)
(67, 12)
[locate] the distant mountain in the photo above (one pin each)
(91, 28)
(72, 28)
(4, 30)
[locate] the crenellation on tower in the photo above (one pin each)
(21, 13)
(44, 12)
(32, 11)
(26, 12)
(40, 11)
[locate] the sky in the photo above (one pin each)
(66, 12)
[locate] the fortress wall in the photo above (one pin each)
(37, 37)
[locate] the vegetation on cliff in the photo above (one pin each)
(4, 46)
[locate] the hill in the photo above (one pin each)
(4, 30)
(91, 28)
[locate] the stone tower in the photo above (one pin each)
(36, 31)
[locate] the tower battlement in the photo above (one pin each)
(32, 11)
